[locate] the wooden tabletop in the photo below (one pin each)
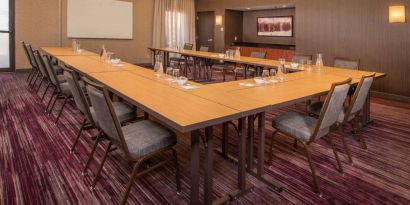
(87, 64)
(64, 51)
(181, 110)
(207, 105)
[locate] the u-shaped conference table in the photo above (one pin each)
(190, 110)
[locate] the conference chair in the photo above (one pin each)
(42, 74)
(32, 64)
(246, 70)
(306, 129)
(223, 67)
(124, 112)
(299, 58)
(139, 141)
(37, 72)
(351, 113)
(59, 85)
(180, 60)
(346, 63)
(203, 62)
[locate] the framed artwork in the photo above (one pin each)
(277, 26)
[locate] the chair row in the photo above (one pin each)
(139, 140)
(207, 66)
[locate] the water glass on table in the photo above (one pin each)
(169, 74)
(175, 74)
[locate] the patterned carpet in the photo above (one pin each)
(37, 168)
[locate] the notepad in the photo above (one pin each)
(247, 84)
(189, 87)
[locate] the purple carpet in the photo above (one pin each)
(36, 166)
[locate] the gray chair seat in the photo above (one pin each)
(145, 137)
(58, 69)
(122, 110)
(316, 107)
(61, 78)
(65, 87)
(297, 125)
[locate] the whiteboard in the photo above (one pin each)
(99, 19)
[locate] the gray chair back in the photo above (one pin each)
(346, 63)
(188, 46)
(204, 48)
(332, 107)
(298, 58)
(51, 72)
(24, 45)
(360, 95)
(105, 114)
(78, 94)
(31, 54)
(258, 54)
(40, 64)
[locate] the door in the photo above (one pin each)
(205, 25)
(7, 35)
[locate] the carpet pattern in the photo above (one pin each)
(36, 166)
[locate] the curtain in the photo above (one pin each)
(174, 23)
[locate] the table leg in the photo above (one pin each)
(208, 165)
(194, 197)
(194, 67)
(225, 142)
(242, 154)
(259, 172)
(261, 145)
(250, 142)
(366, 111)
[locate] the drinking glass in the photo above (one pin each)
(309, 65)
(281, 69)
(265, 75)
(175, 74)
(272, 74)
(302, 63)
(169, 74)
(110, 56)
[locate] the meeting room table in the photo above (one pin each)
(195, 109)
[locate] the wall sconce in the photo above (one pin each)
(397, 14)
(218, 20)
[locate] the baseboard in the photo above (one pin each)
(23, 70)
(390, 96)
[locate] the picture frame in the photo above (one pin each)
(275, 26)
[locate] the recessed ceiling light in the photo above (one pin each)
(248, 8)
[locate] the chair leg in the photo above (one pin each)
(29, 75)
(45, 92)
(312, 168)
(336, 154)
(295, 145)
(177, 177)
(62, 108)
(51, 99)
(131, 182)
(107, 150)
(33, 84)
(347, 150)
(33, 77)
(359, 133)
(53, 103)
(90, 157)
(78, 135)
(272, 140)
(39, 85)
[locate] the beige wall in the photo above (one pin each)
(38, 23)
